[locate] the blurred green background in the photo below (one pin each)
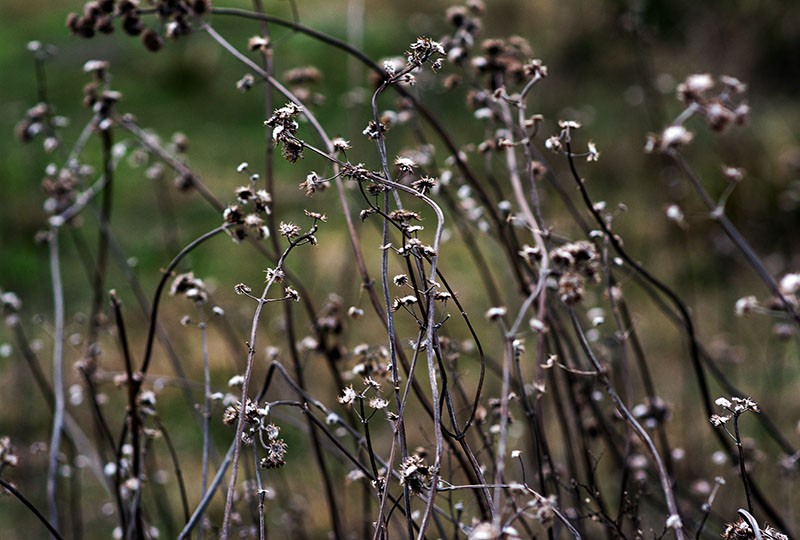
(616, 63)
(612, 64)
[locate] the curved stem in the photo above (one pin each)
(58, 375)
(24, 500)
(165, 275)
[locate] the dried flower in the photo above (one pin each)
(289, 229)
(554, 144)
(495, 313)
(745, 305)
(675, 214)
(348, 396)
(191, 287)
(274, 274)
(675, 136)
(593, 154)
(723, 402)
(733, 174)
(694, 87)
(718, 115)
(316, 216)
(243, 194)
(291, 294)
(424, 184)
(403, 301)
(485, 531)
(374, 130)
(303, 75)
(245, 83)
(284, 127)
(258, 43)
(415, 474)
(733, 84)
(718, 420)
(340, 144)
(404, 216)
(378, 403)
(737, 405)
(275, 454)
(674, 522)
(790, 284)
(405, 165)
(8, 455)
(312, 184)
(571, 288)
(569, 124)
(422, 50)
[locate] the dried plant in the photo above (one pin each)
(376, 402)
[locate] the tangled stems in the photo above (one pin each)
(666, 483)
(497, 212)
(237, 445)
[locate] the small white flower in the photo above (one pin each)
(593, 155)
(553, 144)
(674, 522)
(745, 306)
(569, 124)
(484, 113)
(341, 144)
(675, 136)
(790, 284)
(537, 325)
(674, 213)
(378, 403)
(723, 402)
(495, 313)
(405, 164)
(349, 395)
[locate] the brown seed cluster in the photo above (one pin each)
(174, 16)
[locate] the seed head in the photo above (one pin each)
(694, 88)
(151, 40)
(289, 229)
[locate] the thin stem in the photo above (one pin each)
(24, 500)
(165, 276)
(197, 515)
(134, 382)
(718, 214)
(203, 327)
(630, 419)
(742, 463)
(237, 444)
(58, 375)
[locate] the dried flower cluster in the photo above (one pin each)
(719, 108)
